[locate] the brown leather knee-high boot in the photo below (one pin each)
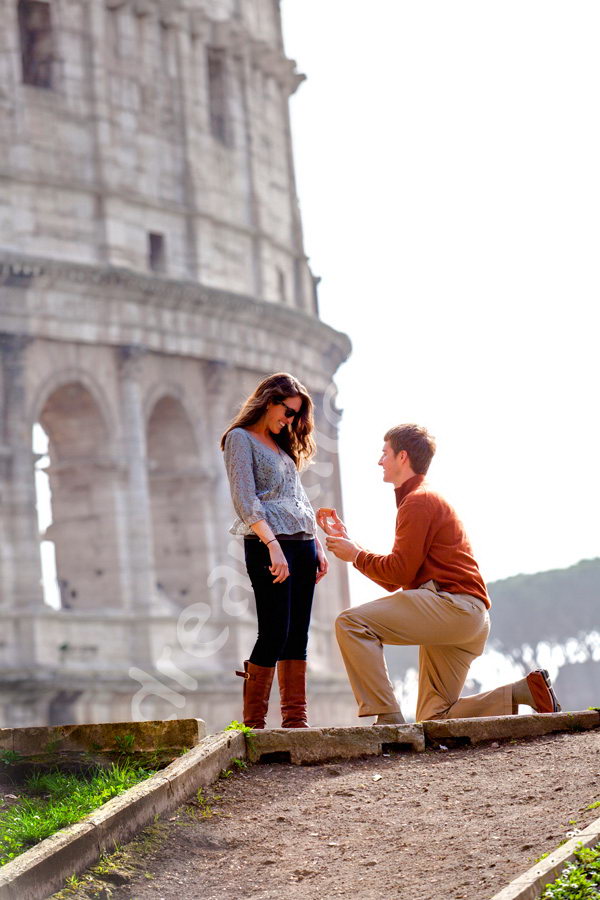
(257, 687)
(291, 674)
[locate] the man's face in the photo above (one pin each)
(390, 463)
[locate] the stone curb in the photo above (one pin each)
(500, 728)
(530, 885)
(311, 745)
(103, 742)
(42, 870)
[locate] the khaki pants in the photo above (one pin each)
(450, 630)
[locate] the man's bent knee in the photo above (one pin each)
(343, 621)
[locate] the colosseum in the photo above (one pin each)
(152, 270)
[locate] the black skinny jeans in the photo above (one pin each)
(283, 610)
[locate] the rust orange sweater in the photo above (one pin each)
(430, 544)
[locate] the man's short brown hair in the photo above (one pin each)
(417, 442)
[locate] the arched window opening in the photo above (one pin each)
(37, 42)
(43, 496)
(78, 500)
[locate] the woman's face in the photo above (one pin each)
(280, 415)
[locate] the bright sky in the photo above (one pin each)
(448, 167)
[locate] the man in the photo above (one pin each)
(441, 603)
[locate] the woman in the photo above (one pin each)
(265, 447)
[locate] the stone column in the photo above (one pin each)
(186, 78)
(136, 493)
(22, 565)
(243, 69)
(288, 84)
(98, 89)
(221, 386)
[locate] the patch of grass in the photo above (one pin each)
(579, 880)
(125, 742)
(238, 765)
(200, 806)
(10, 757)
(60, 799)
(595, 805)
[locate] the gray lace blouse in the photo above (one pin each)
(265, 485)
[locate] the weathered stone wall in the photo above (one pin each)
(124, 145)
(168, 119)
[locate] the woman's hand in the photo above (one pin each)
(279, 566)
(322, 562)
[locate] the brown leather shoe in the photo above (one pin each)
(257, 687)
(291, 674)
(540, 686)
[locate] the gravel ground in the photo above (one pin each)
(440, 825)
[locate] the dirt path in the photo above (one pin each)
(431, 826)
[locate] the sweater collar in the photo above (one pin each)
(411, 485)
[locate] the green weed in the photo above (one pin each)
(248, 732)
(579, 880)
(125, 742)
(10, 757)
(203, 804)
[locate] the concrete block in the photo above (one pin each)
(123, 816)
(313, 745)
(496, 728)
(202, 765)
(42, 870)
(161, 741)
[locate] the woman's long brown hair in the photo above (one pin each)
(296, 438)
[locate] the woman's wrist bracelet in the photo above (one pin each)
(270, 542)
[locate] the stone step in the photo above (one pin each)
(313, 745)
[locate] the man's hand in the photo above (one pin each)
(343, 548)
(336, 527)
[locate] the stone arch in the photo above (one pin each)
(179, 501)
(75, 375)
(161, 390)
(83, 480)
